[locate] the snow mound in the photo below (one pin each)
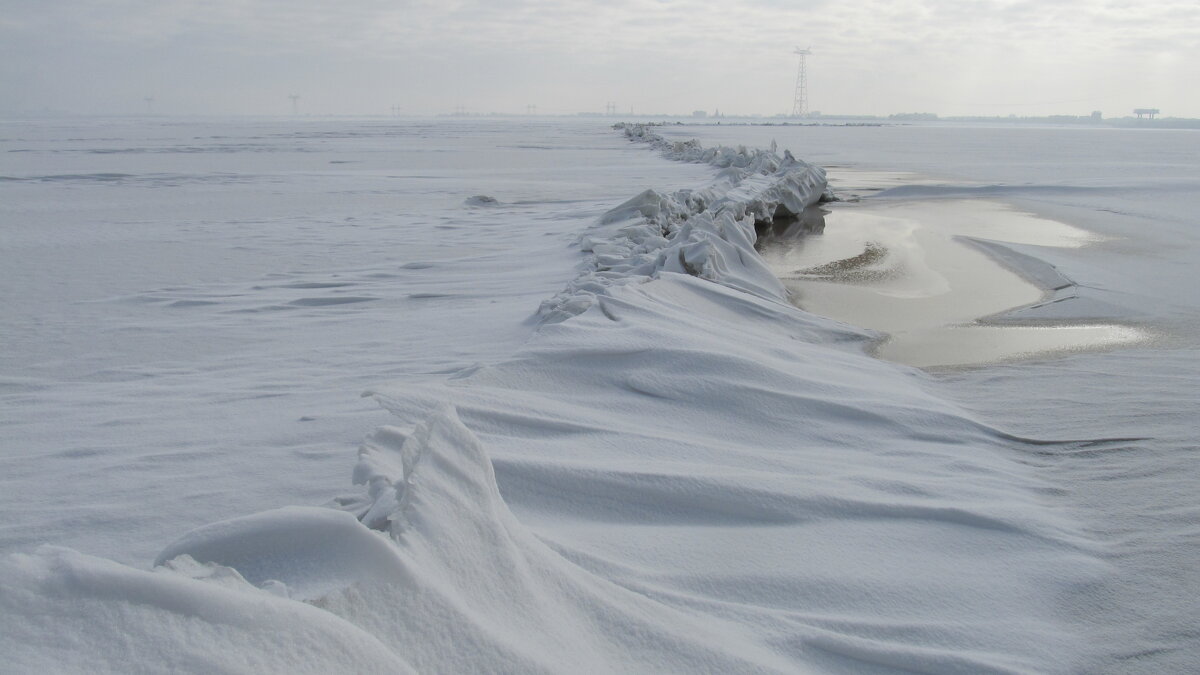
(306, 551)
(448, 581)
(66, 612)
(707, 233)
(742, 463)
(483, 590)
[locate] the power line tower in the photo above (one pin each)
(149, 104)
(610, 109)
(800, 100)
(295, 103)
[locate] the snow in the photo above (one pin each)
(69, 612)
(164, 338)
(301, 552)
(708, 233)
(1136, 190)
(612, 443)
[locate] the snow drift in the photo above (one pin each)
(708, 233)
(680, 472)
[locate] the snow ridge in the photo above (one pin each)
(707, 233)
(698, 478)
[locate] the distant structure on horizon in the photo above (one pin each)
(800, 99)
(295, 103)
(1150, 112)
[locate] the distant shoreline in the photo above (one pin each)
(1055, 120)
(655, 119)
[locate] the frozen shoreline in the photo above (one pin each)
(708, 233)
(944, 281)
(670, 474)
(701, 477)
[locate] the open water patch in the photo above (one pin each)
(939, 279)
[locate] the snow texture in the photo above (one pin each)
(67, 612)
(707, 233)
(675, 471)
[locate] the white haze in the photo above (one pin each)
(984, 57)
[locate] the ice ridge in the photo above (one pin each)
(707, 233)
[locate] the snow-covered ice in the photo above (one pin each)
(609, 440)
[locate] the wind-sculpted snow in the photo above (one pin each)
(489, 595)
(708, 233)
(678, 472)
(65, 612)
(735, 459)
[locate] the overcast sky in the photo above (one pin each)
(952, 57)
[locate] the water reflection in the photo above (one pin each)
(789, 229)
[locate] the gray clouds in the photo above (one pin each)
(363, 56)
